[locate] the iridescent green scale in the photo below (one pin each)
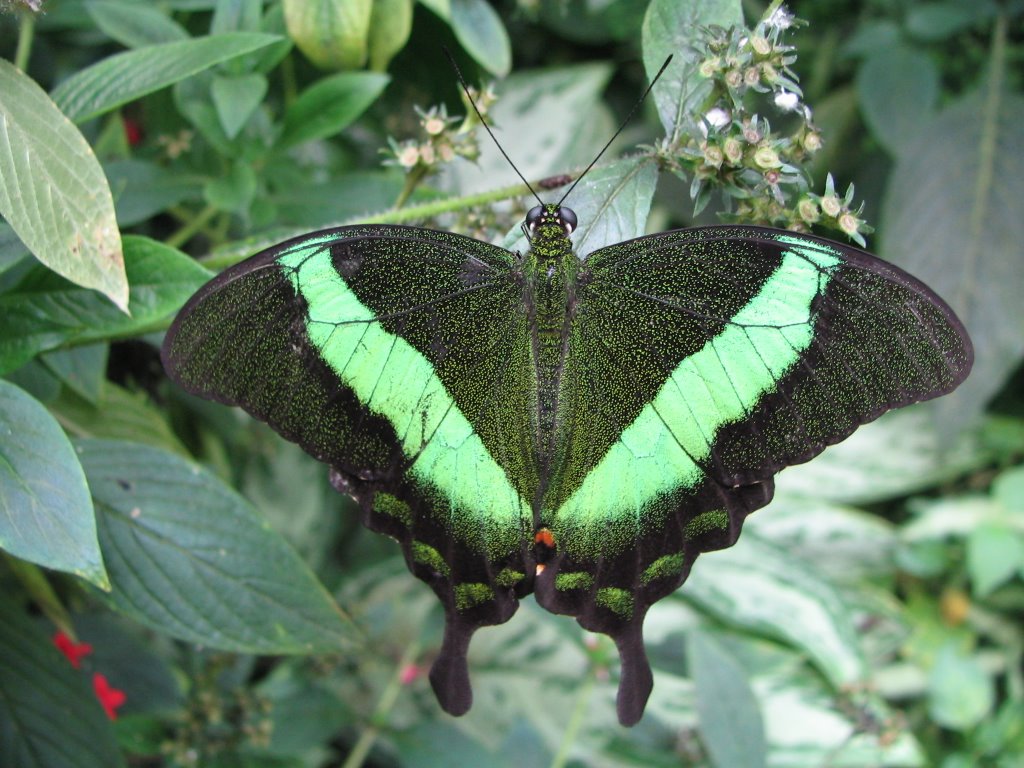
(579, 428)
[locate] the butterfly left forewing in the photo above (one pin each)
(701, 362)
(397, 356)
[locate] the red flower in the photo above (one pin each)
(132, 132)
(74, 651)
(110, 698)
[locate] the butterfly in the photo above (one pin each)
(576, 427)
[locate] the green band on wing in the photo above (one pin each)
(394, 380)
(720, 384)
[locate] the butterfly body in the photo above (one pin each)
(579, 427)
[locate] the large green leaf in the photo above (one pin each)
(189, 557)
(952, 217)
(124, 77)
(671, 28)
(53, 192)
(44, 311)
(479, 30)
(134, 25)
(236, 98)
(329, 105)
(898, 88)
(46, 515)
(763, 589)
(142, 188)
(730, 719)
(49, 715)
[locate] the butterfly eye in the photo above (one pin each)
(533, 217)
(568, 218)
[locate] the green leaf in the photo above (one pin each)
(235, 190)
(900, 453)
(994, 554)
(951, 218)
(44, 311)
(143, 189)
(53, 192)
(898, 88)
(390, 27)
(134, 25)
(329, 105)
(943, 20)
(671, 27)
(764, 590)
(48, 711)
(730, 718)
(960, 692)
(480, 32)
(118, 414)
(236, 98)
(127, 76)
(332, 34)
(81, 369)
(1008, 490)
(190, 558)
(46, 516)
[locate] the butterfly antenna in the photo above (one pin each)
(483, 122)
(621, 127)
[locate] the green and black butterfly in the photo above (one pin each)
(578, 427)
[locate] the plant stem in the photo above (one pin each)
(190, 228)
(25, 35)
(379, 718)
(572, 730)
(41, 591)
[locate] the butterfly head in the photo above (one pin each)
(551, 215)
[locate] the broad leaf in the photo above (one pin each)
(134, 25)
(951, 217)
(44, 311)
(124, 77)
(81, 369)
(960, 692)
(329, 105)
(142, 189)
(898, 88)
(671, 28)
(481, 34)
(49, 715)
(730, 718)
(53, 192)
(189, 557)
(763, 589)
(236, 98)
(46, 515)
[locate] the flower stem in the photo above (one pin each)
(191, 227)
(25, 35)
(379, 718)
(572, 730)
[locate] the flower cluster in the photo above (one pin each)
(218, 719)
(733, 149)
(441, 141)
(110, 698)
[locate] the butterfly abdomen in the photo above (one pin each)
(549, 278)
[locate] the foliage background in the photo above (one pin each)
(869, 616)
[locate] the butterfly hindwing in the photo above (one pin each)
(399, 357)
(701, 362)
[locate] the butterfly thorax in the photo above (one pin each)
(549, 271)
